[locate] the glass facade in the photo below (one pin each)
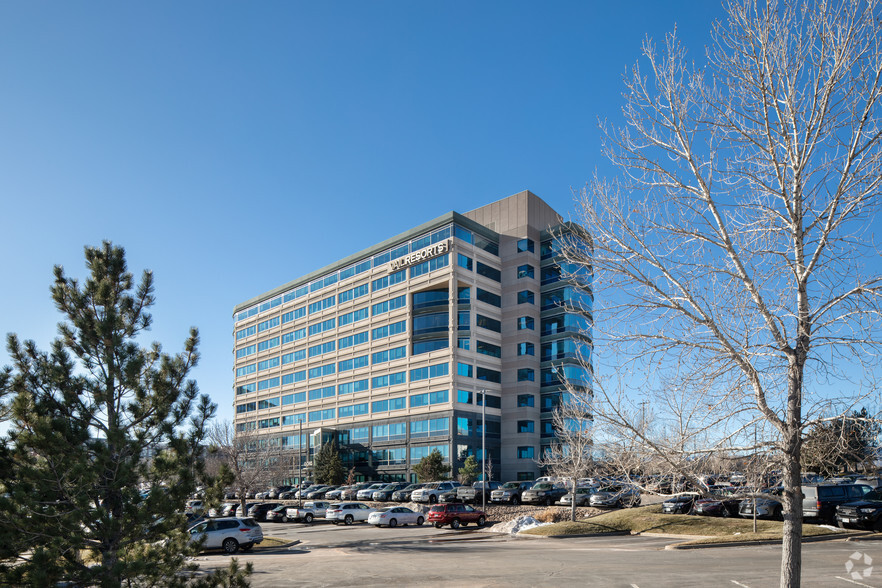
(407, 343)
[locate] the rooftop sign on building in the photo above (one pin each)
(429, 252)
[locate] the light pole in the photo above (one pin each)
(484, 450)
(300, 466)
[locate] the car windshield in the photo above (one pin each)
(543, 486)
(437, 509)
(511, 485)
(873, 495)
(609, 489)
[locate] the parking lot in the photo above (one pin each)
(362, 555)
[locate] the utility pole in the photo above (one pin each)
(300, 465)
(484, 450)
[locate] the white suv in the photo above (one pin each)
(229, 534)
(432, 491)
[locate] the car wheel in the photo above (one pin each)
(284, 519)
(433, 499)
(454, 524)
(420, 521)
(515, 500)
(548, 501)
(636, 503)
(230, 546)
(348, 519)
(481, 521)
(308, 518)
(778, 514)
(247, 546)
(438, 525)
(725, 513)
(393, 523)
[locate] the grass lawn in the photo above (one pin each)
(649, 519)
(272, 542)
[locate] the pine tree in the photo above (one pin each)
(105, 443)
(469, 471)
(431, 467)
(328, 465)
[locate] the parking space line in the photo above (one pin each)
(740, 584)
(854, 582)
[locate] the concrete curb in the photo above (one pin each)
(609, 534)
(831, 537)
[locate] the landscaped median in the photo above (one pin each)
(705, 530)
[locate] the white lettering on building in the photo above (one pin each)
(429, 252)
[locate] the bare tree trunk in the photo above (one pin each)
(573, 505)
(791, 552)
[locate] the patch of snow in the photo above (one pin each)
(515, 526)
(832, 528)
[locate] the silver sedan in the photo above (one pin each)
(393, 516)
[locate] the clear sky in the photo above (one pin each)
(234, 146)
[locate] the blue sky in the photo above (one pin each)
(231, 147)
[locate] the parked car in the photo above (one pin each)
(719, 503)
(278, 514)
(403, 495)
(510, 492)
(348, 512)
(302, 492)
(432, 491)
(195, 506)
(681, 504)
(258, 511)
(311, 510)
(477, 492)
(229, 534)
(546, 493)
(765, 505)
(865, 513)
(218, 511)
(276, 490)
(236, 510)
(392, 516)
(615, 495)
(368, 492)
(583, 496)
(455, 515)
(384, 494)
(318, 493)
(820, 500)
(352, 491)
(448, 497)
(335, 493)
(872, 482)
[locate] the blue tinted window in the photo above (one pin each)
(245, 351)
(268, 324)
(489, 272)
(397, 277)
(463, 261)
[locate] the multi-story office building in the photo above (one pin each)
(401, 348)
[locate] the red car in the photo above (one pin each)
(455, 514)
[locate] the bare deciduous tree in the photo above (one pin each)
(570, 455)
(251, 460)
(734, 252)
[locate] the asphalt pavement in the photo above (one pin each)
(362, 555)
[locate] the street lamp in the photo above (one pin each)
(484, 450)
(300, 466)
